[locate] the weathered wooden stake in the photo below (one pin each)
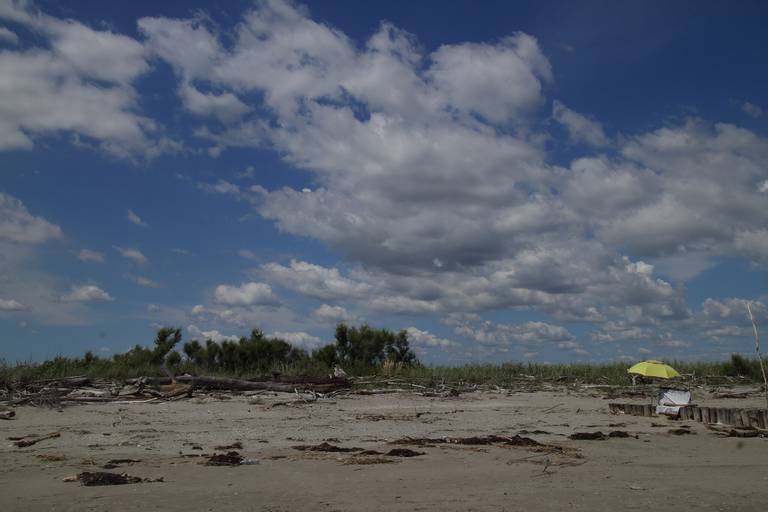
(757, 352)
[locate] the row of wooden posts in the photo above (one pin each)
(757, 418)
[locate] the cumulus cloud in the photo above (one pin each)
(314, 280)
(299, 339)
(86, 293)
(8, 36)
(221, 187)
(89, 255)
(146, 283)
(133, 255)
(247, 294)
(752, 109)
(427, 339)
(19, 226)
(334, 314)
(135, 219)
(524, 336)
(77, 80)
(247, 254)
(580, 128)
(196, 333)
(11, 305)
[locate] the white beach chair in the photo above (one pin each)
(671, 400)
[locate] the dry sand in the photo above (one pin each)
(656, 470)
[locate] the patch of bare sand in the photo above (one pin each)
(171, 441)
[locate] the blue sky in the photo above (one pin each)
(508, 181)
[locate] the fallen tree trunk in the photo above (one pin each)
(247, 385)
(63, 382)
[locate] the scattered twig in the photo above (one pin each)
(34, 439)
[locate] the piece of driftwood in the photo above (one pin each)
(75, 381)
(7, 415)
(246, 385)
(34, 439)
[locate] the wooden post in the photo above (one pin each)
(744, 416)
(757, 353)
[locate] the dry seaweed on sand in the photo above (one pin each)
(234, 446)
(588, 436)
(403, 452)
(324, 447)
(89, 479)
(361, 460)
(47, 457)
(225, 459)
(599, 436)
(515, 440)
(114, 463)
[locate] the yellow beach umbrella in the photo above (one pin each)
(654, 369)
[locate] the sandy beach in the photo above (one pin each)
(171, 440)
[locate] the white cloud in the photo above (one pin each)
(427, 339)
(524, 336)
(8, 36)
(89, 255)
(580, 128)
(247, 294)
(495, 81)
(299, 339)
(86, 293)
(146, 283)
(248, 254)
(11, 305)
(134, 255)
(752, 109)
(225, 106)
(135, 218)
(153, 308)
(314, 280)
(335, 314)
(196, 333)
(198, 310)
(221, 187)
(77, 80)
(19, 226)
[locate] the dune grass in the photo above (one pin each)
(502, 375)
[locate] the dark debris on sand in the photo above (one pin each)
(89, 479)
(225, 459)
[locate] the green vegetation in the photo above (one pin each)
(360, 350)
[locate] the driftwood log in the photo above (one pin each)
(324, 386)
